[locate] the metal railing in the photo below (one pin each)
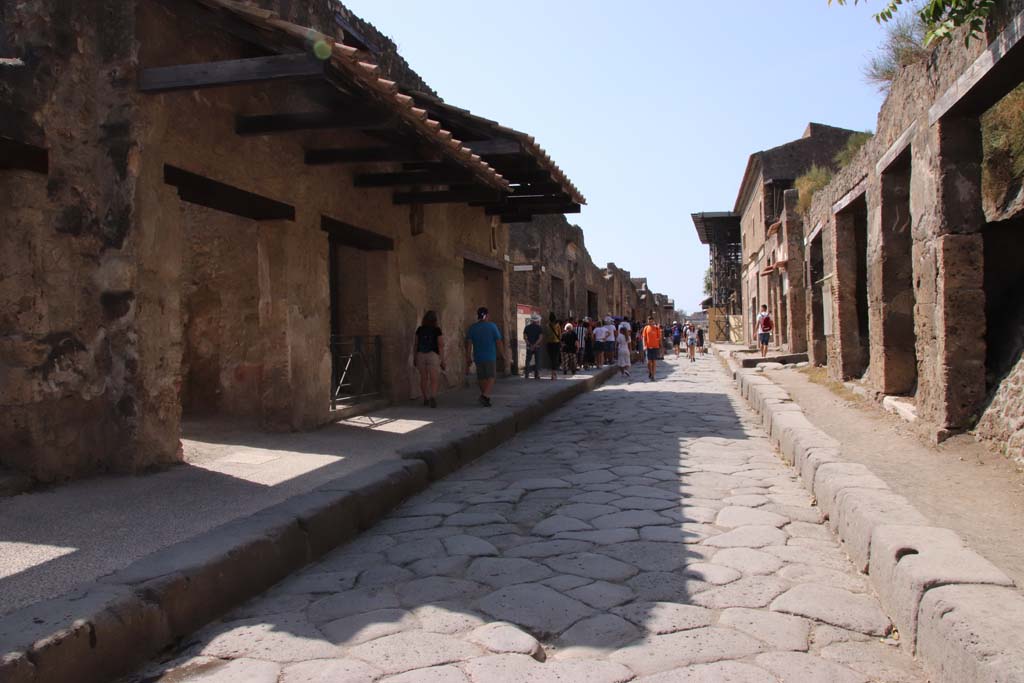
(356, 364)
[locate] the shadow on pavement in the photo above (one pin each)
(586, 532)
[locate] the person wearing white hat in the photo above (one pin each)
(570, 345)
(533, 337)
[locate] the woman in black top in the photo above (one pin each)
(428, 346)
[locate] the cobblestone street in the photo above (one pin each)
(644, 532)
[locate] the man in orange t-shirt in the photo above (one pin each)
(652, 344)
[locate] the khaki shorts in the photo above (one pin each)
(428, 360)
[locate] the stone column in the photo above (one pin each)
(796, 297)
(949, 272)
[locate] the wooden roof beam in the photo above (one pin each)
(361, 118)
(298, 65)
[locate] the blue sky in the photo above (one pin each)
(652, 106)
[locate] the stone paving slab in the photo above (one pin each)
(104, 628)
(959, 613)
(651, 593)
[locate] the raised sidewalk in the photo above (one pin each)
(958, 613)
(256, 527)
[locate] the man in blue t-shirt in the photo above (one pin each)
(483, 340)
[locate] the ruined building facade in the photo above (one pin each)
(249, 239)
(914, 276)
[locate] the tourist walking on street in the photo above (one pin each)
(652, 342)
(763, 329)
(622, 345)
(483, 345)
(588, 343)
(691, 341)
(600, 336)
(570, 346)
(610, 331)
(428, 348)
(533, 337)
(677, 337)
(553, 344)
(700, 340)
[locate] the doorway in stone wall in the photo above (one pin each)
(483, 286)
(357, 267)
(592, 305)
(815, 279)
(898, 373)
(852, 284)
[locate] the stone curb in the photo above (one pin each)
(106, 629)
(954, 609)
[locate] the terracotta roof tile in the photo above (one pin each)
(345, 60)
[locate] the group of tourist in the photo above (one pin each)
(694, 337)
(560, 344)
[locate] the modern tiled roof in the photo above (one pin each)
(345, 60)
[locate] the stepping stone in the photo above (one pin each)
(321, 671)
(468, 545)
(752, 591)
(594, 636)
(779, 631)
(556, 524)
(696, 646)
(748, 560)
(523, 669)
(738, 516)
(834, 606)
(593, 566)
(797, 666)
(502, 638)
(602, 536)
(601, 594)
(586, 511)
(367, 626)
(435, 589)
(715, 574)
(628, 519)
(506, 571)
(718, 672)
(413, 650)
(658, 618)
(748, 537)
(548, 548)
(534, 606)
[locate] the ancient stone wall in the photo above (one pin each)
(120, 303)
(68, 327)
(920, 177)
